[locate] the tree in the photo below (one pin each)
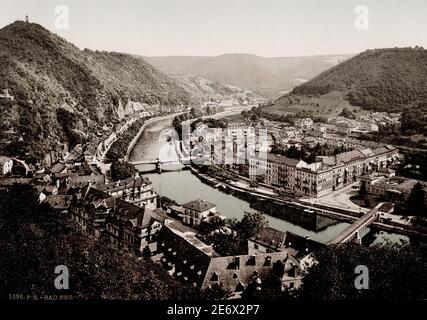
(34, 240)
(413, 120)
(251, 224)
(416, 201)
(236, 242)
(347, 113)
(363, 191)
(254, 117)
(121, 170)
(229, 244)
(333, 276)
(215, 292)
(176, 123)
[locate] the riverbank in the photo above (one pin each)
(285, 214)
(135, 140)
(326, 211)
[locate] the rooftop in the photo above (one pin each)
(199, 205)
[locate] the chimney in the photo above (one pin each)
(237, 262)
(139, 219)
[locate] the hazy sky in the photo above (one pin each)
(213, 27)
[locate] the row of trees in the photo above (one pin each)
(261, 112)
(414, 120)
(308, 154)
(193, 114)
(119, 147)
(391, 272)
(121, 170)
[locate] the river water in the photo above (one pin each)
(183, 186)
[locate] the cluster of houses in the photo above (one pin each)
(340, 125)
(192, 261)
(344, 126)
(126, 214)
(385, 184)
(325, 175)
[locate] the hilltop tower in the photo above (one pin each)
(26, 19)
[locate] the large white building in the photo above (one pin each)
(322, 177)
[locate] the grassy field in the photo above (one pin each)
(330, 104)
(234, 118)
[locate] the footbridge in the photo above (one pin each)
(352, 233)
(162, 161)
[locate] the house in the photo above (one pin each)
(390, 188)
(237, 273)
(345, 127)
(6, 182)
(271, 240)
(195, 263)
(304, 124)
(132, 227)
(6, 165)
(58, 202)
(123, 223)
(75, 181)
(138, 190)
(197, 211)
(57, 169)
(367, 126)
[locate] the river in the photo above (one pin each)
(183, 186)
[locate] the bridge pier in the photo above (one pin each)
(357, 238)
(159, 167)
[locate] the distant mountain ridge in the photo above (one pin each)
(383, 79)
(270, 77)
(202, 89)
(63, 94)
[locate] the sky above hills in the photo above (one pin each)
(213, 27)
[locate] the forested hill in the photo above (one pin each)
(57, 85)
(381, 79)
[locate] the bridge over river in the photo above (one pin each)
(162, 161)
(352, 233)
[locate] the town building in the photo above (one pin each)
(367, 126)
(57, 169)
(271, 240)
(197, 212)
(195, 263)
(137, 190)
(389, 187)
(123, 223)
(304, 124)
(325, 175)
